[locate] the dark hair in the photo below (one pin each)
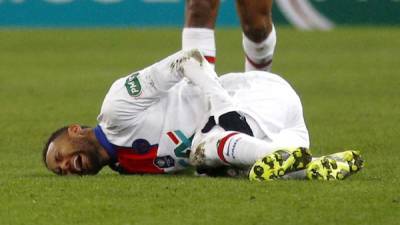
(52, 137)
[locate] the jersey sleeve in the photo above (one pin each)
(198, 70)
(129, 98)
(154, 80)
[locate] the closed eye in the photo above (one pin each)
(58, 157)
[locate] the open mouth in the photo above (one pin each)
(78, 163)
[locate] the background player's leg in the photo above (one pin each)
(259, 37)
(200, 17)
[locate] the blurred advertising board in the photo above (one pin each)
(304, 14)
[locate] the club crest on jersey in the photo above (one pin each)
(133, 86)
(141, 146)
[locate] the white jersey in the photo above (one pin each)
(154, 113)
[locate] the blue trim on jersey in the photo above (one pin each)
(110, 148)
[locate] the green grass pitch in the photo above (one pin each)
(348, 79)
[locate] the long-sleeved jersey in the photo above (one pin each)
(148, 118)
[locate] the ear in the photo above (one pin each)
(75, 130)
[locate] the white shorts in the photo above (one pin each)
(271, 106)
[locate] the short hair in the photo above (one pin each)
(52, 137)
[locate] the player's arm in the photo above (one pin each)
(159, 77)
(130, 96)
(144, 88)
(147, 85)
(198, 70)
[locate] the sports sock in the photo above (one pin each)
(234, 148)
(202, 39)
(259, 55)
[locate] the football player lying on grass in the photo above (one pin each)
(178, 112)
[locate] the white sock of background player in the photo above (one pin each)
(202, 39)
(259, 55)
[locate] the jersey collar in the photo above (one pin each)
(110, 148)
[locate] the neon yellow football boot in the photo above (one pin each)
(337, 166)
(277, 164)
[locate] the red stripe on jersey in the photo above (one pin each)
(210, 59)
(221, 146)
(259, 65)
(173, 137)
(133, 162)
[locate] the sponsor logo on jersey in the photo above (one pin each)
(133, 86)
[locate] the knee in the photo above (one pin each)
(201, 13)
(257, 28)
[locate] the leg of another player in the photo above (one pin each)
(259, 37)
(200, 17)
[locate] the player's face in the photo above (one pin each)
(67, 156)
